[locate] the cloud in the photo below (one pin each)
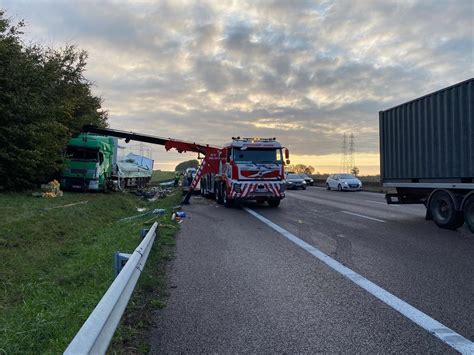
(303, 71)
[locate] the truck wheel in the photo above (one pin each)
(219, 194)
(227, 202)
(468, 211)
(274, 202)
(443, 211)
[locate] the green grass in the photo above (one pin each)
(57, 263)
(159, 176)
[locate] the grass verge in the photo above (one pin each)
(57, 262)
(160, 176)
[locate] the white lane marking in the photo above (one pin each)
(362, 216)
(445, 334)
(382, 203)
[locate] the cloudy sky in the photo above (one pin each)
(302, 71)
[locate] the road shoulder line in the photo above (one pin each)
(445, 334)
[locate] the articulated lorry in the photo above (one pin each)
(427, 154)
(91, 163)
(244, 169)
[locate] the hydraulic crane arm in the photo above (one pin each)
(210, 162)
(169, 143)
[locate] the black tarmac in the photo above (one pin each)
(238, 286)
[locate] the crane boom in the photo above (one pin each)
(169, 143)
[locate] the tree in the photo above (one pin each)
(187, 164)
(300, 169)
(355, 171)
(44, 99)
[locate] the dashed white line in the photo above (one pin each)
(445, 334)
(362, 216)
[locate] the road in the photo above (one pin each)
(239, 285)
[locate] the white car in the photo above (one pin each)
(343, 182)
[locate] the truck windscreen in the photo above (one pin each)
(253, 155)
(73, 153)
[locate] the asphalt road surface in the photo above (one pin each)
(239, 285)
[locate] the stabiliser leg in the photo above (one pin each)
(195, 181)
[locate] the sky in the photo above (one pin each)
(305, 72)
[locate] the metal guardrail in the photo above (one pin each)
(96, 333)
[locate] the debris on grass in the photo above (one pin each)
(68, 205)
(158, 211)
(49, 190)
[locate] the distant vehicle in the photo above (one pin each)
(343, 182)
(295, 182)
(309, 181)
(426, 153)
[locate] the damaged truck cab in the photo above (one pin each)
(89, 162)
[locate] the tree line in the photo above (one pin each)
(44, 99)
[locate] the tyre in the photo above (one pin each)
(227, 202)
(219, 194)
(274, 203)
(328, 187)
(468, 211)
(339, 187)
(443, 211)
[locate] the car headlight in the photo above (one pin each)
(289, 182)
(344, 182)
(304, 182)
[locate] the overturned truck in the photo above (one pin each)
(244, 169)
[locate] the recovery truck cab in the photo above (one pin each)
(248, 169)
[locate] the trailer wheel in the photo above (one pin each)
(468, 211)
(443, 211)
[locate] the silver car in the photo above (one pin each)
(343, 182)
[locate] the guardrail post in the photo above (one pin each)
(144, 232)
(120, 259)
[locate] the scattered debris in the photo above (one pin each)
(68, 205)
(153, 193)
(49, 190)
(178, 216)
(158, 211)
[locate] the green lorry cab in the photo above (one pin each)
(89, 162)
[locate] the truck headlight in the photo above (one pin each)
(237, 188)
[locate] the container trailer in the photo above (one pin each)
(427, 154)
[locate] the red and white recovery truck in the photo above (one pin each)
(244, 169)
